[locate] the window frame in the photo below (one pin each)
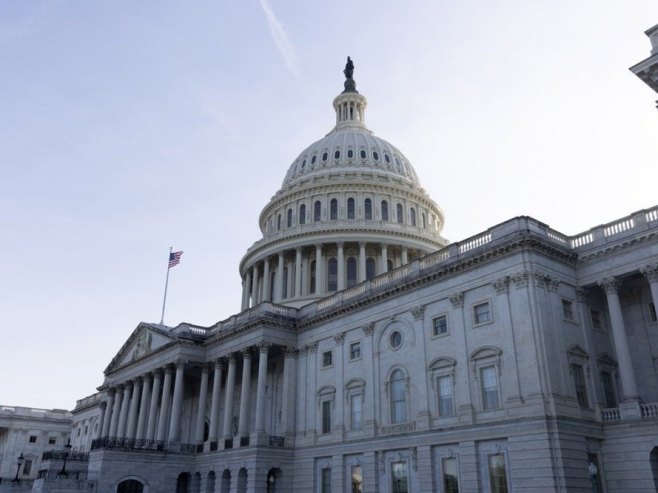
(403, 382)
(475, 315)
(351, 356)
(568, 310)
(333, 209)
(351, 208)
(327, 359)
(444, 317)
(302, 214)
(326, 401)
(317, 211)
(384, 210)
(367, 209)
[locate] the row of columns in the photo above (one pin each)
(131, 409)
(256, 289)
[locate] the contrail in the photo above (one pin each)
(280, 38)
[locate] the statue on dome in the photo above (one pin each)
(349, 68)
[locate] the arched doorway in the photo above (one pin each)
(196, 483)
(130, 486)
(242, 481)
(210, 482)
(653, 459)
(183, 483)
(273, 480)
(226, 481)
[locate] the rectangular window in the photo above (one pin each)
(489, 382)
(52, 441)
(444, 384)
(33, 439)
(399, 477)
(357, 479)
(579, 383)
(652, 313)
(355, 350)
(326, 417)
(27, 467)
(497, 473)
(482, 313)
(325, 480)
(327, 359)
(450, 475)
(595, 315)
(440, 325)
(356, 411)
(608, 389)
(567, 310)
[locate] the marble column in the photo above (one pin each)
(245, 394)
(362, 261)
(384, 258)
(228, 400)
(267, 296)
(629, 387)
(651, 274)
(319, 280)
(134, 407)
(246, 288)
(255, 295)
(288, 399)
(298, 272)
(105, 430)
(260, 390)
(278, 280)
(116, 411)
(214, 403)
(405, 256)
(201, 412)
(177, 403)
(123, 416)
(341, 266)
(164, 405)
(153, 405)
(101, 419)
(143, 407)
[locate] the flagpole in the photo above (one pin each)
(164, 301)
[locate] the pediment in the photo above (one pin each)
(578, 351)
(144, 339)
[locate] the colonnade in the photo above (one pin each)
(144, 408)
(310, 270)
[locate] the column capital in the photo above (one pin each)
(313, 347)
(246, 352)
(457, 300)
(180, 364)
(581, 294)
(157, 372)
(384, 246)
(206, 366)
(264, 346)
(650, 272)
(318, 246)
(362, 244)
(290, 351)
(219, 363)
(147, 376)
(501, 285)
(111, 391)
(369, 328)
(340, 244)
(339, 338)
(298, 249)
(232, 358)
(609, 285)
(418, 312)
(168, 369)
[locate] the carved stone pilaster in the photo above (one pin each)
(650, 272)
(418, 312)
(520, 279)
(609, 285)
(501, 285)
(457, 300)
(368, 329)
(339, 338)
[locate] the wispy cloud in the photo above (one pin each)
(280, 37)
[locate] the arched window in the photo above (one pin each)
(363, 154)
(384, 210)
(289, 219)
(242, 481)
(226, 481)
(351, 271)
(272, 281)
(398, 397)
(350, 208)
(210, 479)
(332, 277)
(370, 268)
(196, 483)
(317, 210)
(284, 288)
(333, 210)
(183, 482)
(350, 153)
(312, 277)
(398, 211)
(412, 213)
(302, 214)
(130, 486)
(367, 209)
(389, 265)
(337, 155)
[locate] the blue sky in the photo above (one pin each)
(130, 127)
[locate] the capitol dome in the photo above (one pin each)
(350, 208)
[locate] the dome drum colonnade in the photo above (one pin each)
(351, 207)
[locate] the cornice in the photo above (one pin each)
(632, 243)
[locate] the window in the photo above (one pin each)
(312, 274)
(399, 477)
(52, 441)
(367, 209)
(317, 210)
(398, 210)
(327, 359)
(337, 155)
(395, 339)
(370, 268)
(440, 325)
(284, 287)
(350, 208)
(86, 429)
(375, 156)
(450, 475)
(412, 213)
(497, 473)
(302, 214)
(332, 277)
(324, 156)
(595, 315)
(325, 480)
(326, 417)
(303, 163)
(289, 218)
(355, 350)
(362, 154)
(444, 385)
(351, 271)
(384, 210)
(608, 389)
(33, 438)
(350, 153)
(387, 158)
(356, 411)
(567, 310)
(27, 467)
(357, 479)
(481, 313)
(424, 219)
(79, 430)
(398, 397)
(652, 313)
(578, 375)
(489, 383)
(333, 209)
(278, 222)
(313, 159)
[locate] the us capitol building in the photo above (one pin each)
(371, 355)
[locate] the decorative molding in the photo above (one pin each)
(520, 279)
(609, 285)
(501, 285)
(246, 352)
(339, 338)
(263, 346)
(290, 351)
(369, 329)
(457, 300)
(418, 312)
(650, 272)
(581, 294)
(313, 347)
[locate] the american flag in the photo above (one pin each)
(174, 258)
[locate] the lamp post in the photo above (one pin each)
(19, 461)
(67, 448)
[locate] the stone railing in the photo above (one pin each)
(89, 401)
(610, 414)
(262, 310)
(60, 454)
(32, 412)
(277, 441)
(649, 410)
